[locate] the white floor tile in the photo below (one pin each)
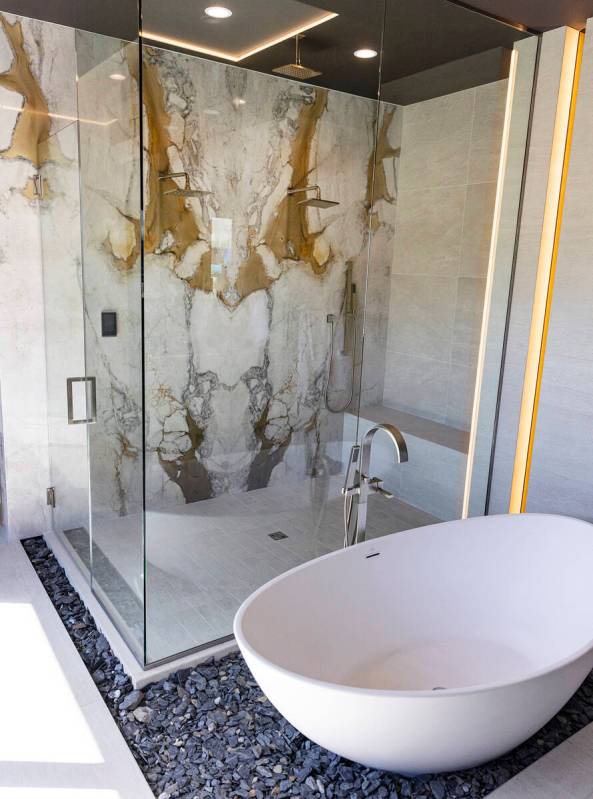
(57, 737)
(564, 773)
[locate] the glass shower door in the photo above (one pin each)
(271, 260)
(110, 195)
(59, 215)
(257, 196)
(438, 302)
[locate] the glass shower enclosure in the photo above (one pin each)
(273, 244)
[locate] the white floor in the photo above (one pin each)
(564, 773)
(57, 738)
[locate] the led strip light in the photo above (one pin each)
(546, 268)
(236, 57)
(502, 165)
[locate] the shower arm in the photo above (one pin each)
(171, 175)
(316, 189)
(297, 48)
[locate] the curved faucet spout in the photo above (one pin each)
(396, 437)
(360, 458)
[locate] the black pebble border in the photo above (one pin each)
(209, 733)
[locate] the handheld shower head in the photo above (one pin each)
(313, 202)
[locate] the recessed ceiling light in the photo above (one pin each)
(117, 76)
(218, 12)
(365, 52)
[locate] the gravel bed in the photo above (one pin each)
(209, 733)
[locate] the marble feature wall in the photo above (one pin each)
(240, 279)
(35, 70)
(239, 282)
(447, 184)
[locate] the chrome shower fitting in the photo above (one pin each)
(331, 320)
(349, 311)
(297, 70)
(313, 202)
(358, 470)
(186, 191)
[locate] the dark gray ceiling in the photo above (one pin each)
(119, 17)
(420, 37)
(431, 47)
(539, 15)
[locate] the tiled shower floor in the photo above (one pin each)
(203, 559)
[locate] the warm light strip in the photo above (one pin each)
(502, 165)
(546, 267)
(236, 57)
(67, 117)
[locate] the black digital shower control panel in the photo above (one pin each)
(108, 323)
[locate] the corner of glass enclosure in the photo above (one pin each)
(90, 213)
(284, 226)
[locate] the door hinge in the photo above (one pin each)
(38, 185)
(51, 497)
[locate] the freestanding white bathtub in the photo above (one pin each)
(430, 650)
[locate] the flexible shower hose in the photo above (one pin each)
(329, 371)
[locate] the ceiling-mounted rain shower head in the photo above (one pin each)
(297, 70)
(186, 191)
(313, 202)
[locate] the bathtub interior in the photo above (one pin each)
(454, 605)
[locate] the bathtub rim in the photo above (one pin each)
(389, 692)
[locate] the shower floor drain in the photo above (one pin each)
(278, 536)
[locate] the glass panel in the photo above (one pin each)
(59, 215)
(447, 82)
(498, 297)
(109, 134)
(253, 296)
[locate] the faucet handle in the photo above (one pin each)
(376, 485)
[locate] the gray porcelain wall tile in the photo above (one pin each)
(435, 141)
(424, 314)
(477, 229)
(416, 385)
(486, 137)
(468, 320)
(429, 226)
(462, 380)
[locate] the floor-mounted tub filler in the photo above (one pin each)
(429, 650)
